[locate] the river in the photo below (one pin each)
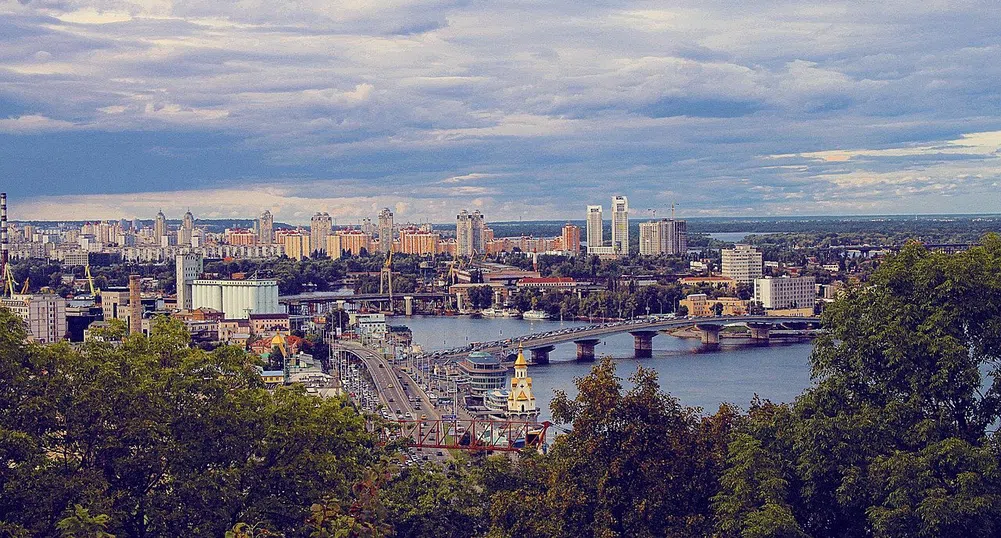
(734, 374)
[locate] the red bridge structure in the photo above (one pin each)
(468, 434)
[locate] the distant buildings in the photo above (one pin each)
(265, 228)
(188, 267)
(620, 225)
(469, 233)
(414, 240)
(595, 231)
(352, 241)
(786, 292)
(742, 263)
(571, 239)
(319, 228)
(160, 229)
(187, 231)
(620, 229)
(700, 305)
(297, 245)
(385, 230)
(664, 237)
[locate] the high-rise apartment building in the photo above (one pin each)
(265, 228)
(385, 230)
(351, 241)
(571, 238)
(663, 237)
(188, 268)
(620, 224)
(319, 229)
(595, 232)
(652, 238)
(742, 263)
(677, 237)
(187, 230)
(367, 227)
(296, 245)
(160, 229)
(414, 240)
(469, 233)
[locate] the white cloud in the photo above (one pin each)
(972, 144)
(32, 124)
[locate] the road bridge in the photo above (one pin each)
(643, 332)
(319, 302)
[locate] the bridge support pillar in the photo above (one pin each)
(408, 305)
(710, 335)
(498, 298)
(643, 343)
(585, 349)
(759, 331)
(540, 355)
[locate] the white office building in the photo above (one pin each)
(742, 263)
(620, 224)
(188, 267)
(595, 233)
(237, 299)
(786, 292)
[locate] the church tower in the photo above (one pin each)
(521, 401)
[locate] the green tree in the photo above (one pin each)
(636, 462)
(165, 439)
(81, 524)
(892, 440)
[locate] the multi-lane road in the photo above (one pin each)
(398, 392)
(400, 395)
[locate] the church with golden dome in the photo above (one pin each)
(520, 400)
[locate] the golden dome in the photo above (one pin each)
(520, 361)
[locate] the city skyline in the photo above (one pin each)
(112, 109)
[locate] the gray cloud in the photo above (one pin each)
(556, 104)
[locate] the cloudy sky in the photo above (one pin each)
(531, 110)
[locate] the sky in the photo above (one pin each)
(523, 110)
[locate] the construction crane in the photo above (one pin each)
(24, 289)
(9, 282)
(94, 292)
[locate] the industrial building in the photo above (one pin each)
(237, 299)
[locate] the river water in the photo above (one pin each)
(734, 374)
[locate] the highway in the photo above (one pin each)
(394, 387)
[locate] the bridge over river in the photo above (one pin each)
(642, 330)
